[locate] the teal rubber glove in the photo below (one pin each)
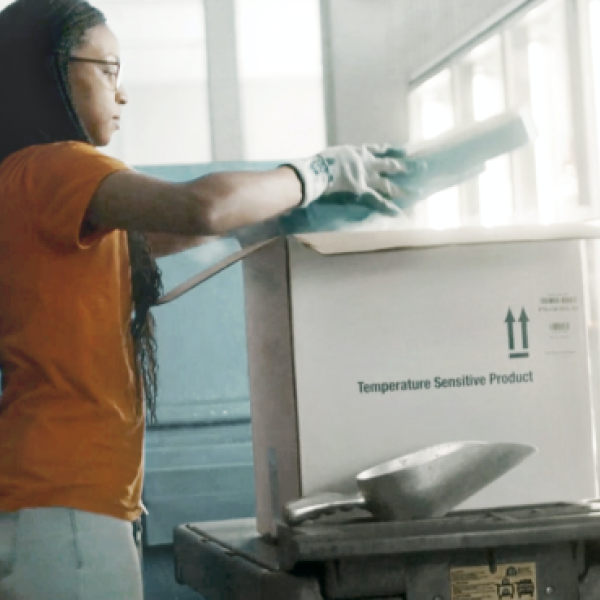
(320, 217)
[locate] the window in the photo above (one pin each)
(487, 98)
(537, 48)
(281, 78)
(432, 110)
(163, 52)
(523, 63)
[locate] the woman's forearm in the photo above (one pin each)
(235, 201)
(215, 204)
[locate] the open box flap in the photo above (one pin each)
(348, 242)
(196, 280)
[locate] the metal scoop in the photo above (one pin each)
(423, 484)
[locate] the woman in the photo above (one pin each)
(79, 232)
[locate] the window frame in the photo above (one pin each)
(581, 98)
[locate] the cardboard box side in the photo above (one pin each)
(272, 381)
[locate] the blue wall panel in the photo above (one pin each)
(199, 460)
(202, 340)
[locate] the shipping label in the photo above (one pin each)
(506, 582)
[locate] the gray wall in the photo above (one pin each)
(373, 47)
(426, 29)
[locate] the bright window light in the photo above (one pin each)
(163, 52)
(487, 95)
(443, 209)
(539, 79)
(495, 193)
(436, 108)
(540, 68)
(281, 78)
(432, 113)
(487, 80)
(488, 99)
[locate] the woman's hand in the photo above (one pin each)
(360, 171)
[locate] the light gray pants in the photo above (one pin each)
(66, 554)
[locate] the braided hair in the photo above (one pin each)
(36, 107)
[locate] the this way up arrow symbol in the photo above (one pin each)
(524, 320)
(510, 322)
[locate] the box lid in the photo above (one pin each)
(347, 242)
(351, 242)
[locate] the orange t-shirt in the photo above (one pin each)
(71, 419)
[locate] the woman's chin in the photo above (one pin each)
(102, 141)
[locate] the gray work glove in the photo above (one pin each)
(361, 172)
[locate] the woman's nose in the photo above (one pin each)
(122, 97)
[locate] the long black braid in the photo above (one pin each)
(146, 284)
(36, 107)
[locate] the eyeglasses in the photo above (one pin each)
(113, 79)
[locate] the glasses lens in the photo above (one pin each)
(113, 75)
(119, 77)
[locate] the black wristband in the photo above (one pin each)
(302, 182)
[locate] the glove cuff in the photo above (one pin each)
(315, 175)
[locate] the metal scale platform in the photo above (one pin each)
(533, 552)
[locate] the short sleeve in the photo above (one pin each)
(62, 178)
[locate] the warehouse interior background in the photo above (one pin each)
(261, 81)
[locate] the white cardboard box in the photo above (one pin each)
(359, 357)
(366, 346)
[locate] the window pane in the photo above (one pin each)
(539, 59)
(281, 78)
(487, 79)
(432, 113)
(488, 99)
(163, 52)
(443, 209)
(495, 193)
